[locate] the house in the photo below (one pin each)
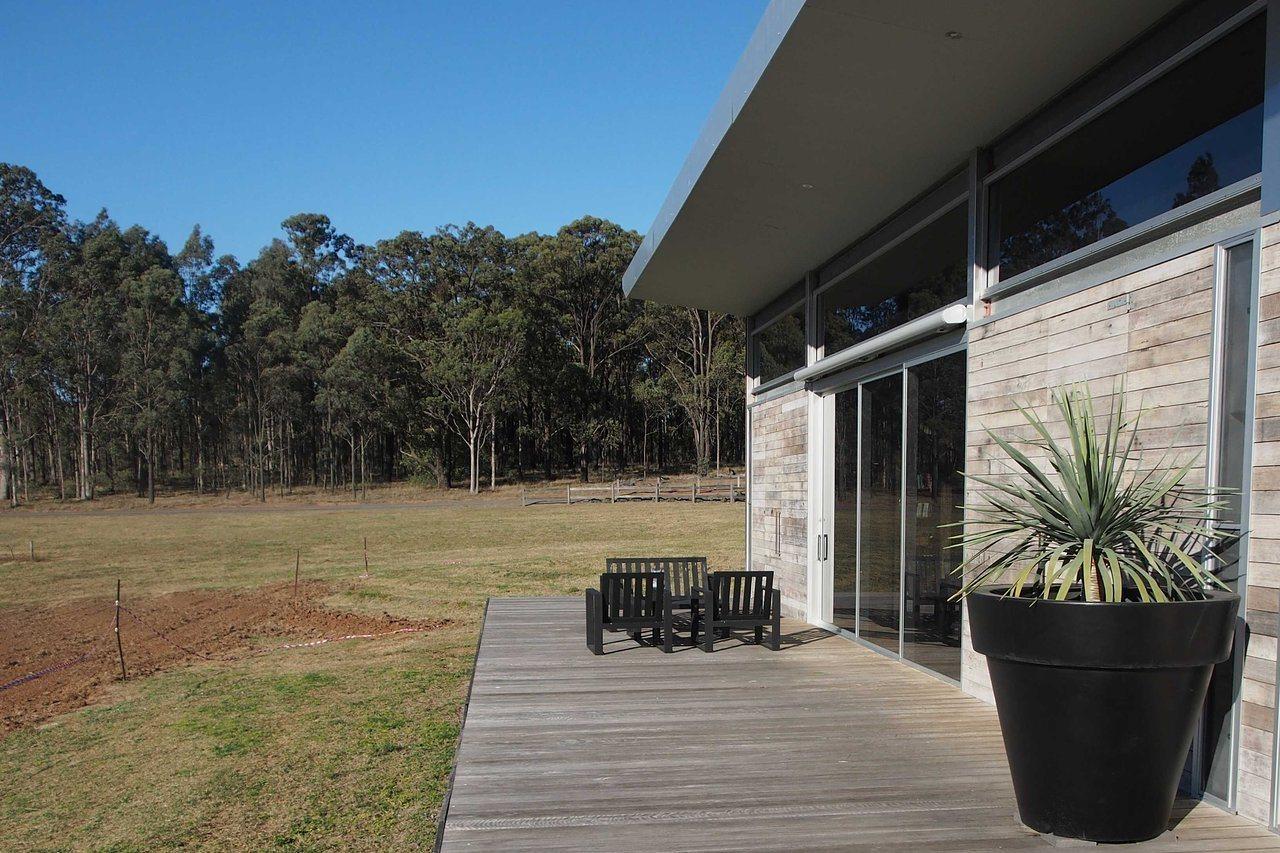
(932, 211)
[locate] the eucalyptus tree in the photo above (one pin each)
(31, 217)
(578, 273)
(699, 354)
(160, 340)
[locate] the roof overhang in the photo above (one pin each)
(841, 112)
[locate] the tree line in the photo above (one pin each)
(462, 355)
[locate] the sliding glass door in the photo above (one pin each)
(880, 518)
(896, 454)
(934, 493)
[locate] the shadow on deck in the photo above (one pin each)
(823, 745)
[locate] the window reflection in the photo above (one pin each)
(934, 494)
(1195, 130)
(780, 346)
(844, 554)
(923, 273)
(880, 546)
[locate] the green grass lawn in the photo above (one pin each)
(344, 746)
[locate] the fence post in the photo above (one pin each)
(657, 490)
(733, 494)
(297, 567)
(119, 646)
(366, 557)
(568, 495)
(695, 491)
(32, 543)
(522, 503)
(613, 492)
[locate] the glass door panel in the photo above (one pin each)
(880, 519)
(844, 546)
(935, 490)
(1232, 438)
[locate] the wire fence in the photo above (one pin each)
(110, 629)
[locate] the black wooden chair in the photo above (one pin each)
(631, 602)
(738, 600)
(684, 574)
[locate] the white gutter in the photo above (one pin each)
(927, 326)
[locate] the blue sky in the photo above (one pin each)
(524, 114)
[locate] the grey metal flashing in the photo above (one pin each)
(1204, 208)
(1195, 237)
(1271, 114)
(768, 35)
(902, 223)
(1165, 44)
(927, 326)
(774, 390)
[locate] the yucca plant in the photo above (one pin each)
(1093, 526)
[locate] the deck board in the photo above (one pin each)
(824, 745)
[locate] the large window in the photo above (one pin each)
(922, 273)
(780, 346)
(1195, 130)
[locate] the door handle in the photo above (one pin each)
(822, 547)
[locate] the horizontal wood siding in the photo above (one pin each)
(1150, 330)
(1258, 690)
(778, 496)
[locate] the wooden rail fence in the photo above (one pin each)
(722, 489)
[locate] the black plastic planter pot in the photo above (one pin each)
(1098, 704)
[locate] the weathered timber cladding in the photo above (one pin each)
(1258, 690)
(779, 496)
(1151, 330)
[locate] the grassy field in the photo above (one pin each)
(343, 746)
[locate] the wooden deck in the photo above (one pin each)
(823, 745)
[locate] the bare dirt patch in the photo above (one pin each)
(159, 633)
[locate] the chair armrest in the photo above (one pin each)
(775, 603)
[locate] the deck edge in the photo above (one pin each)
(443, 817)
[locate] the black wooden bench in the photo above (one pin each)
(684, 574)
(631, 602)
(737, 600)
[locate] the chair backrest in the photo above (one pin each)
(741, 594)
(683, 573)
(632, 595)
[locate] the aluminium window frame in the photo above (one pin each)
(1213, 451)
(783, 305)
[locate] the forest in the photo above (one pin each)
(461, 357)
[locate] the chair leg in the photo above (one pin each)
(668, 628)
(709, 632)
(777, 620)
(595, 627)
(759, 634)
(637, 636)
(656, 635)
